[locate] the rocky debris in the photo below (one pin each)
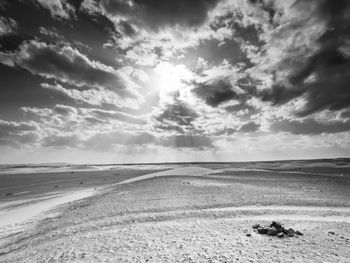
(299, 233)
(256, 226)
(280, 235)
(262, 230)
(277, 229)
(291, 232)
(272, 231)
(276, 224)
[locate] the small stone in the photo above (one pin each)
(272, 231)
(280, 235)
(276, 224)
(255, 226)
(262, 230)
(248, 235)
(291, 232)
(331, 232)
(299, 233)
(281, 230)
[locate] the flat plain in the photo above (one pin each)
(198, 212)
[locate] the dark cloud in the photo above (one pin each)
(279, 94)
(68, 65)
(267, 6)
(345, 114)
(76, 4)
(249, 34)
(310, 126)
(215, 92)
(244, 110)
(127, 28)
(249, 127)
(10, 42)
(156, 14)
(323, 76)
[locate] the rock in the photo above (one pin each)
(291, 232)
(262, 230)
(299, 233)
(280, 235)
(272, 231)
(248, 235)
(331, 232)
(276, 224)
(281, 230)
(256, 226)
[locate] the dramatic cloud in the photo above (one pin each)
(94, 96)
(310, 126)
(307, 54)
(249, 127)
(69, 65)
(17, 134)
(215, 92)
(59, 9)
(7, 26)
(157, 14)
(177, 116)
(184, 80)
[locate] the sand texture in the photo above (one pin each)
(199, 213)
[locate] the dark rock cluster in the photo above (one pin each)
(276, 229)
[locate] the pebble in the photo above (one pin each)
(272, 231)
(280, 235)
(299, 233)
(262, 230)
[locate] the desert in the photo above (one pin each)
(202, 212)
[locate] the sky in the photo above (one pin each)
(116, 81)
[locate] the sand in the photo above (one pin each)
(199, 213)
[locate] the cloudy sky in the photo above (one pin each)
(100, 81)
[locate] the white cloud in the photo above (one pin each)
(7, 26)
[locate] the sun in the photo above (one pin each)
(171, 78)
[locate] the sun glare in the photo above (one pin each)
(171, 78)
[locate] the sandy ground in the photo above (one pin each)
(199, 214)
